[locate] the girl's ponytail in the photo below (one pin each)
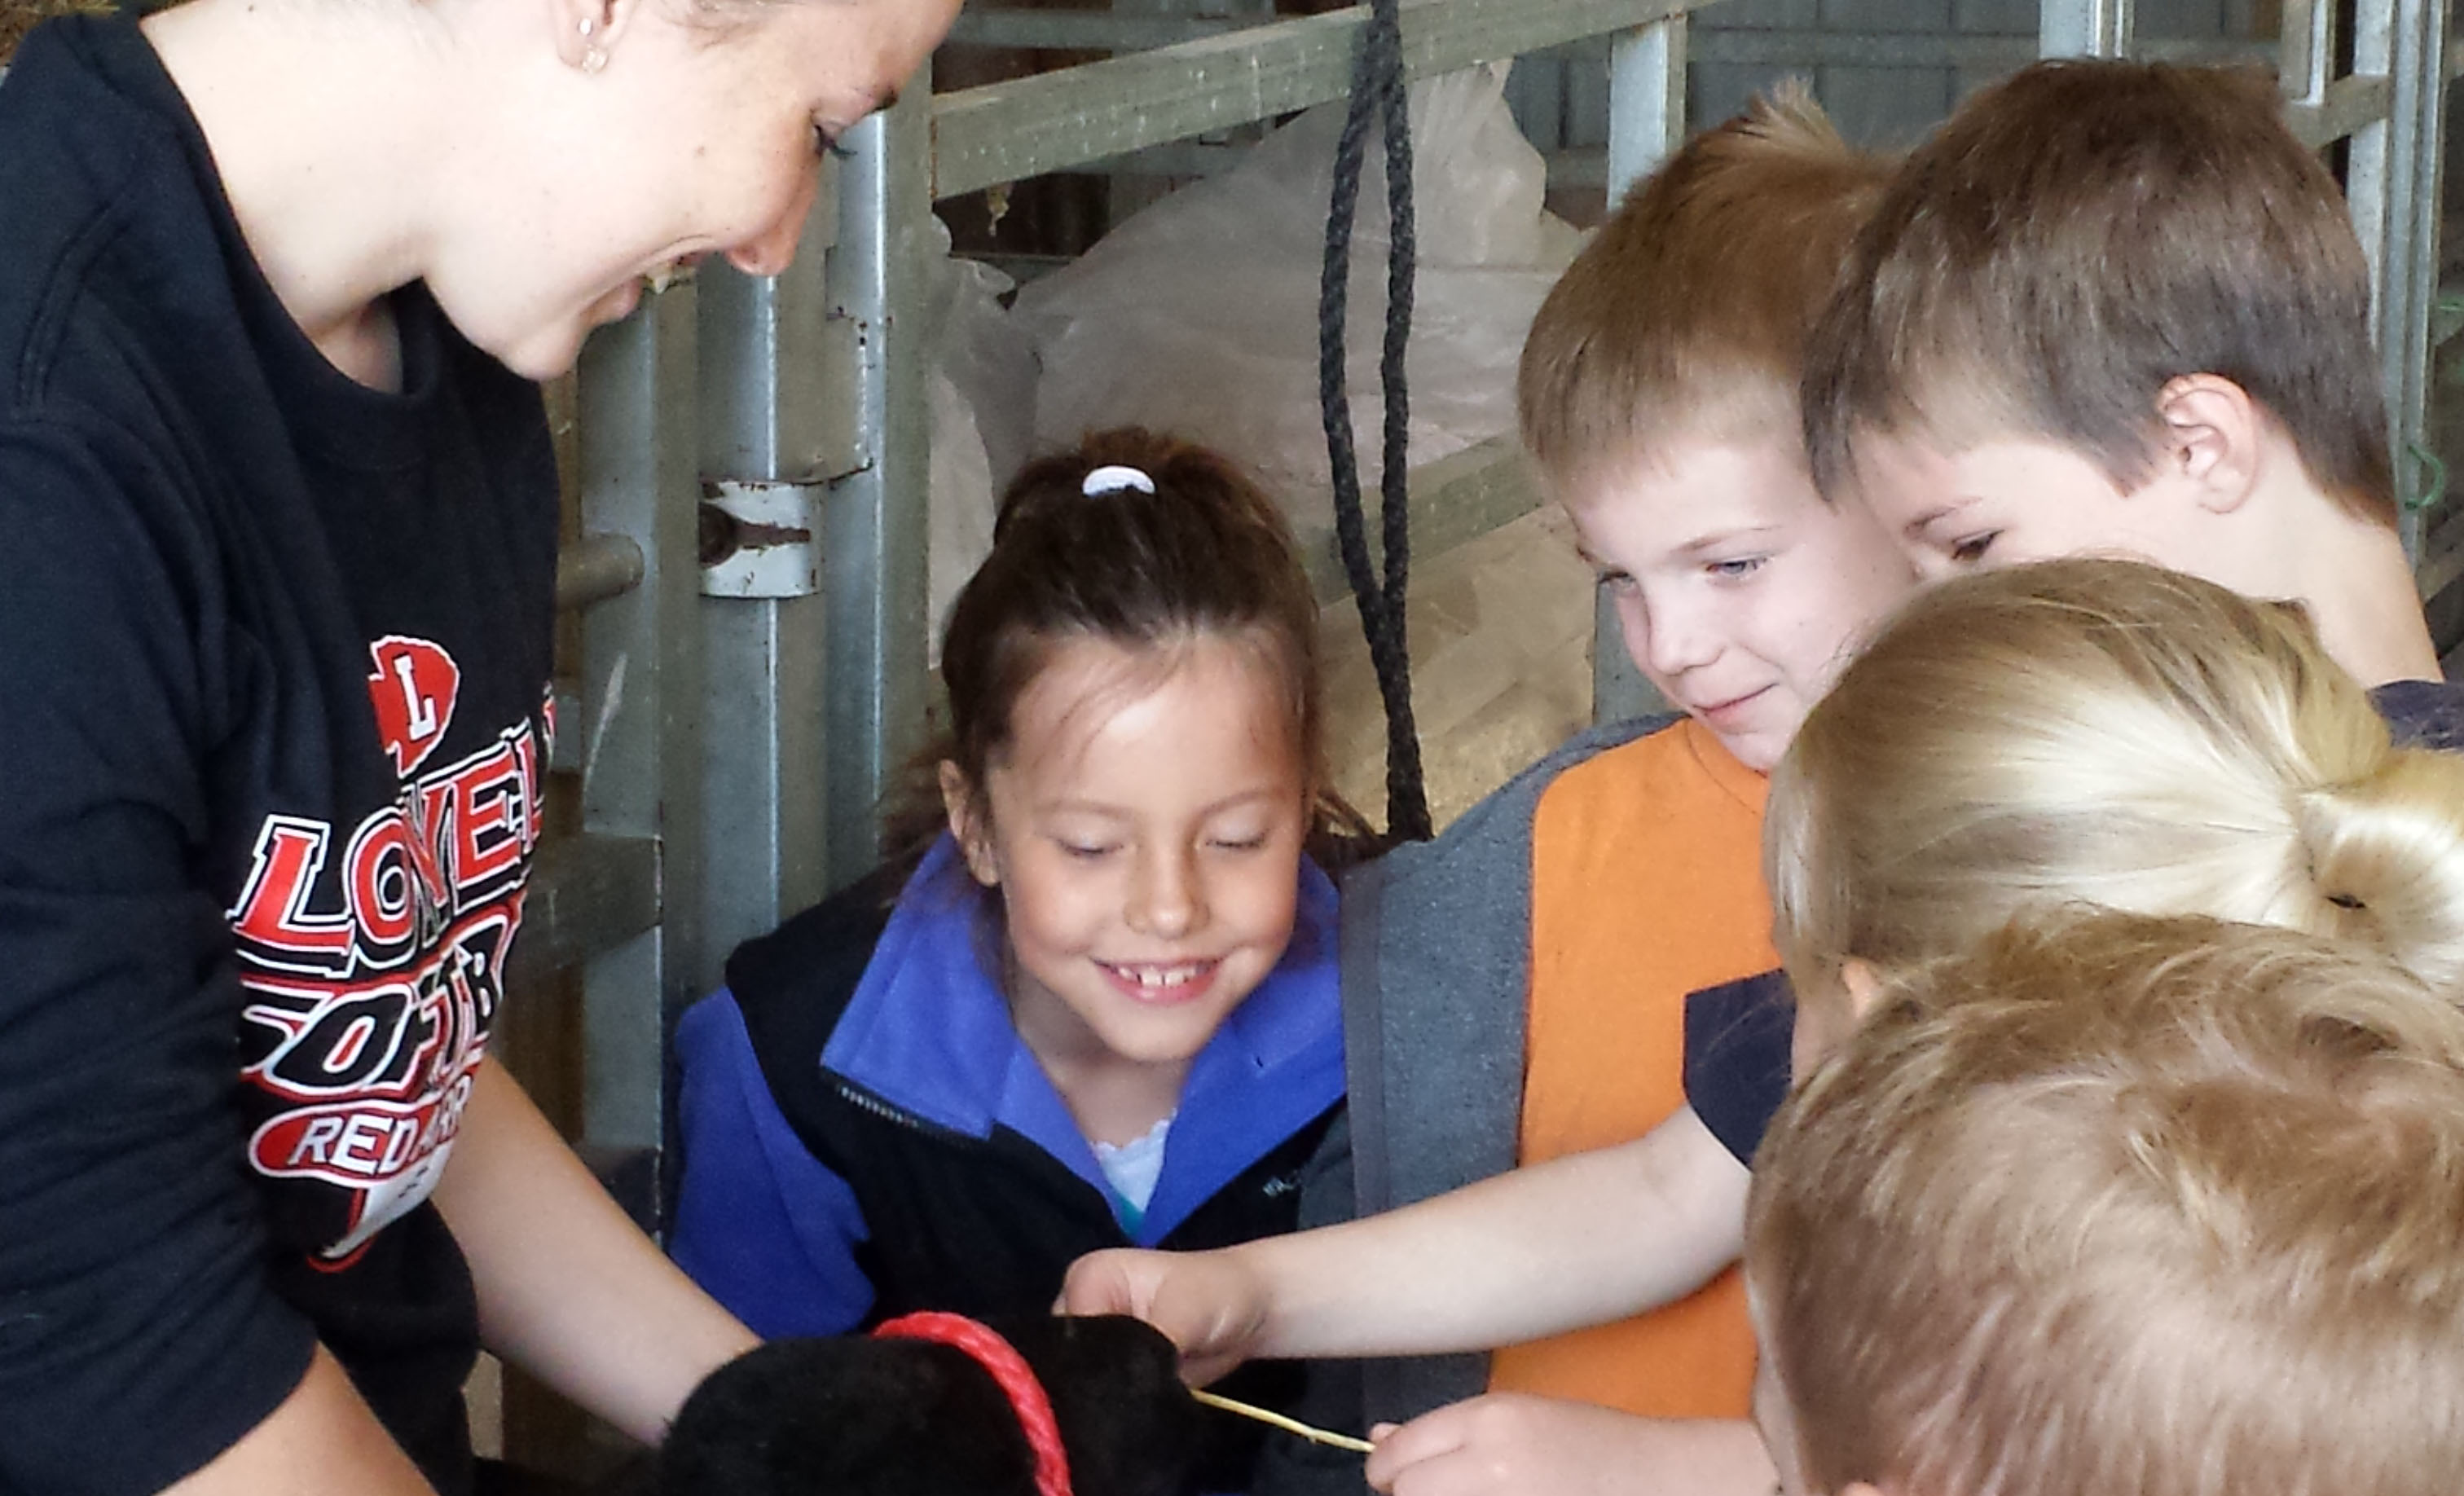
(2384, 860)
(2108, 734)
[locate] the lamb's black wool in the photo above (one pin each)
(858, 1416)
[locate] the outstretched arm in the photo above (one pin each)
(569, 1288)
(1512, 1445)
(1578, 1240)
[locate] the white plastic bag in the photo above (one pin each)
(981, 388)
(1199, 316)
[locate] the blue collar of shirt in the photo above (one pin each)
(928, 1031)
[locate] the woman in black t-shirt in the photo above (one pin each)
(277, 523)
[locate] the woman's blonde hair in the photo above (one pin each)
(2106, 733)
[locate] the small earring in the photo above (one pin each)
(594, 59)
(588, 25)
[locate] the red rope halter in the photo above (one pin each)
(1011, 1372)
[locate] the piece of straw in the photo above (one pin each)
(1315, 1436)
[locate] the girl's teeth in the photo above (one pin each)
(1160, 977)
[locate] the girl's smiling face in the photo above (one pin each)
(1144, 830)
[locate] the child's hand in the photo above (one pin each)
(1515, 1444)
(1211, 1304)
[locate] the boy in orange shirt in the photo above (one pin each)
(1520, 991)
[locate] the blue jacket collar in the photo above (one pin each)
(928, 1031)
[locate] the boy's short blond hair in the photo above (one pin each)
(2161, 1207)
(2080, 234)
(1687, 313)
(2104, 731)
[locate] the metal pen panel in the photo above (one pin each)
(875, 523)
(640, 718)
(2305, 49)
(2084, 28)
(779, 420)
(1646, 122)
(2415, 142)
(1646, 99)
(1002, 132)
(1454, 500)
(2345, 107)
(2366, 160)
(773, 402)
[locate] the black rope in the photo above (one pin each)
(1377, 84)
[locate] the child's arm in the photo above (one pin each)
(1578, 1240)
(320, 1439)
(569, 1288)
(1513, 1445)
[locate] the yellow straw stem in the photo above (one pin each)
(1315, 1436)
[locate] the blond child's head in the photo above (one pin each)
(2103, 733)
(2165, 1207)
(1658, 400)
(2100, 309)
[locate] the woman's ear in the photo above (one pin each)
(959, 802)
(2213, 433)
(586, 32)
(1863, 985)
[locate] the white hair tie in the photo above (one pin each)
(1114, 478)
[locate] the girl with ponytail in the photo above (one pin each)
(1099, 1008)
(2107, 734)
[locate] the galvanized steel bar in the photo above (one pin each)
(587, 895)
(772, 403)
(596, 567)
(2351, 105)
(1646, 123)
(640, 718)
(1977, 52)
(1456, 499)
(1646, 99)
(2371, 184)
(1006, 131)
(1085, 30)
(2084, 28)
(2408, 286)
(2305, 49)
(875, 520)
(777, 376)
(2369, 161)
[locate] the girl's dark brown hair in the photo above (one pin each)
(1206, 554)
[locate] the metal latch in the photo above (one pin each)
(760, 540)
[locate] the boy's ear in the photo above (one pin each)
(2213, 433)
(967, 825)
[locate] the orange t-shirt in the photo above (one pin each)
(1646, 885)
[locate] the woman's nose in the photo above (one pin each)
(773, 249)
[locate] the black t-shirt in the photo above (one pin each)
(273, 672)
(1737, 1035)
